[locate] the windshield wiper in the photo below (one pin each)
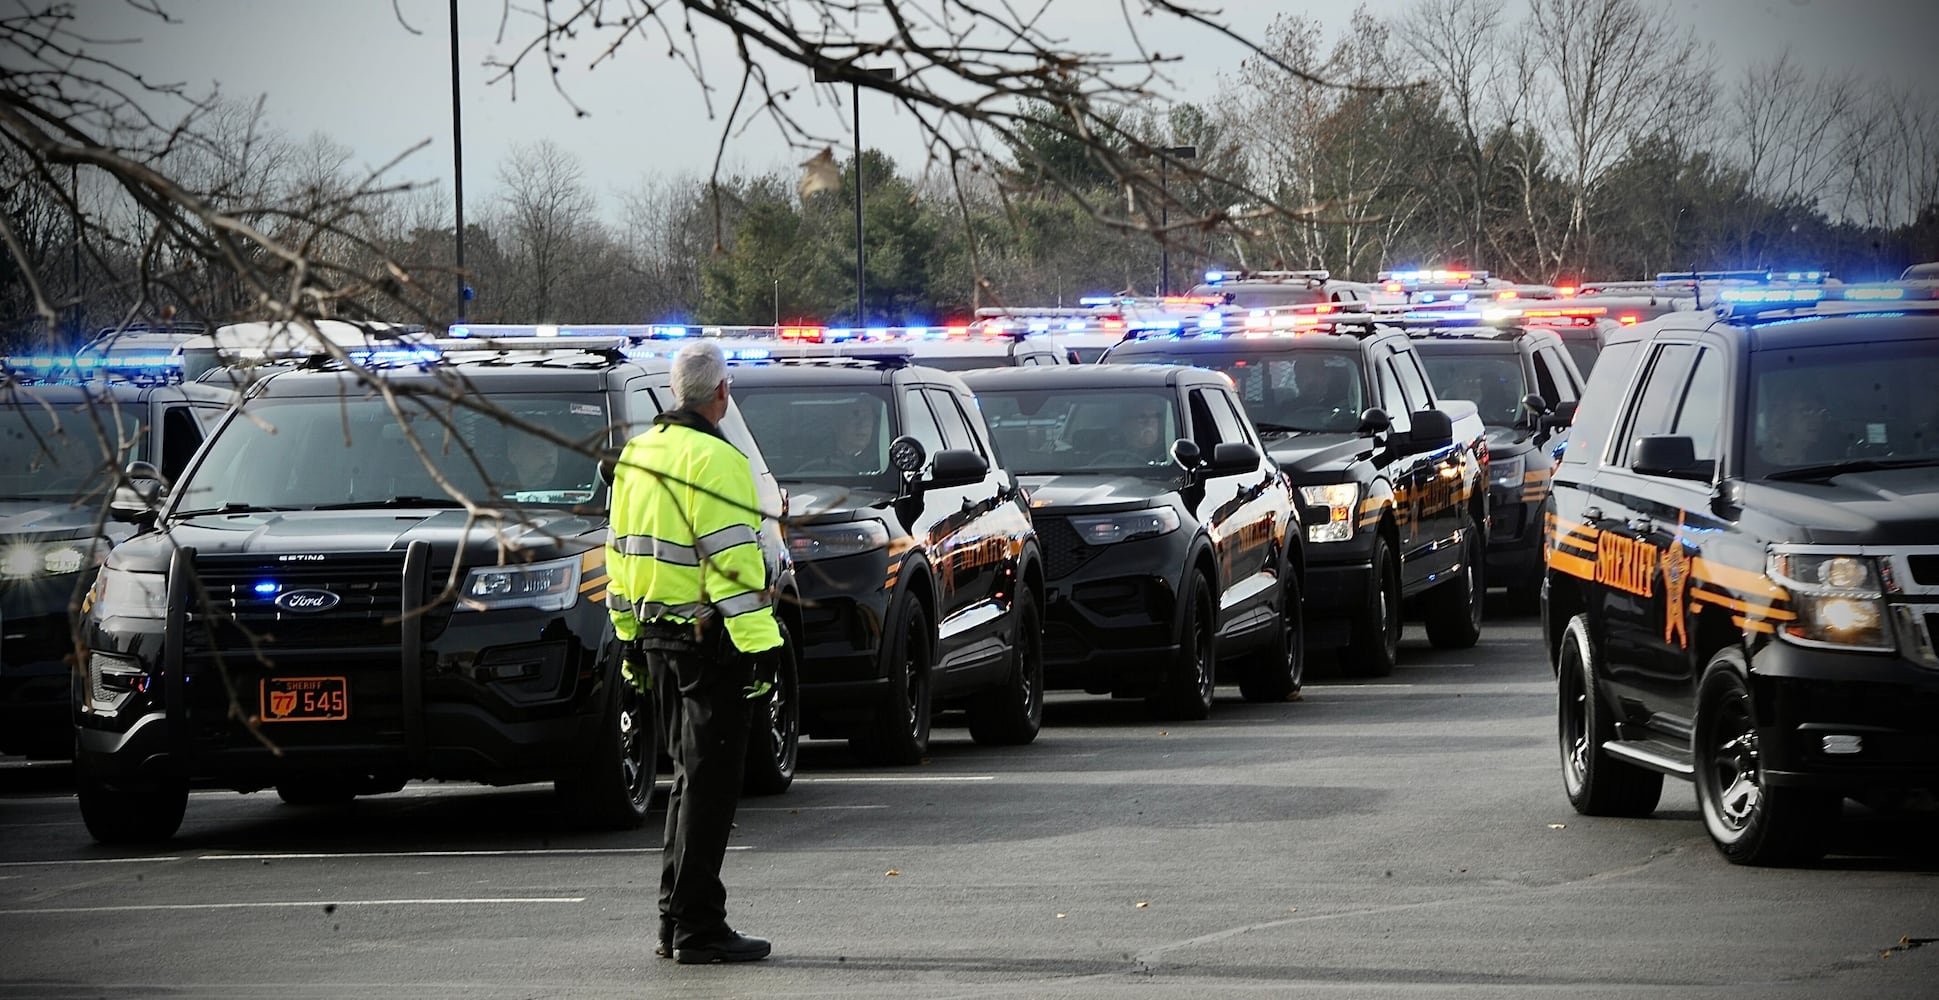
(403, 501)
(233, 508)
(1268, 427)
(1814, 472)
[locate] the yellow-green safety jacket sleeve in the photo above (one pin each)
(685, 534)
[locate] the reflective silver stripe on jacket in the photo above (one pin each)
(740, 604)
(714, 543)
(659, 549)
(654, 609)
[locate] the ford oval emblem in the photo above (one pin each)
(307, 601)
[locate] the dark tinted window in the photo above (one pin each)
(1842, 405)
(955, 426)
(1232, 422)
(1583, 353)
(1701, 415)
(1284, 392)
(1600, 398)
(1492, 381)
(1547, 385)
(1662, 392)
(919, 423)
(55, 452)
(821, 434)
(1413, 380)
(1048, 431)
(181, 433)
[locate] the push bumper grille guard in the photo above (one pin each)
(181, 590)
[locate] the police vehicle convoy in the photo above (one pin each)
(67, 426)
(1389, 478)
(381, 571)
(1172, 553)
(918, 565)
(1743, 583)
(1523, 383)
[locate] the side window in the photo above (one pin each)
(955, 426)
(1566, 374)
(1590, 431)
(1413, 381)
(1545, 383)
(1656, 404)
(1391, 398)
(919, 423)
(181, 433)
(1232, 427)
(1205, 425)
(1701, 416)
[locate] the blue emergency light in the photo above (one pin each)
(1214, 277)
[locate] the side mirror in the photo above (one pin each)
(1535, 405)
(1232, 457)
(1374, 420)
(136, 502)
(957, 467)
(1185, 452)
(1669, 455)
(1431, 431)
(1562, 416)
(607, 468)
(906, 454)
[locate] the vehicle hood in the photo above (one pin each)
(48, 520)
(1890, 507)
(1507, 442)
(1099, 492)
(534, 535)
(1317, 452)
(825, 502)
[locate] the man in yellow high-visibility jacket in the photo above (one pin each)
(688, 596)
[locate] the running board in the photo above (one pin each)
(1655, 756)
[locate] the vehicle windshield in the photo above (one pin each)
(1846, 406)
(307, 453)
(1583, 353)
(1054, 431)
(818, 434)
(1285, 392)
(63, 451)
(1492, 381)
(966, 362)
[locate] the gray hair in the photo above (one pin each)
(698, 369)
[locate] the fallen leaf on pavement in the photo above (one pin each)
(891, 873)
(1143, 905)
(1558, 826)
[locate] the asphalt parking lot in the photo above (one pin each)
(1407, 838)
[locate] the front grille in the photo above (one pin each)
(369, 591)
(1925, 569)
(1064, 552)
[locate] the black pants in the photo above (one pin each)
(703, 718)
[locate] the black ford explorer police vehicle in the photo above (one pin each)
(1388, 477)
(1520, 379)
(1171, 547)
(1743, 587)
(62, 434)
(314, 608)
(917, 561)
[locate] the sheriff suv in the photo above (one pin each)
(1388, 477)
(65, 432)
(920, 575)
(385, 571)
(1743, 585)
(1172, 550)
(1522, 383)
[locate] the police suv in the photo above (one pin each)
(67, 426)
(1172, 552)
(1743, 583)
(386, 570)
(1390, 479)
(918, 565)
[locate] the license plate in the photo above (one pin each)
(305, 699)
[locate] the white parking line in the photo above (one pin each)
(856, 779)
(84, 861)
(310, 903)
(331, 856)
(792, 809)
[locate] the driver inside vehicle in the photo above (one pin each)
(1798, 433)
(1146, 425)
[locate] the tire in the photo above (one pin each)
(1750, 823)
(1185, 691)
(774, 727)
(1597, 783)
(1375, 644)
(899, 733)
(1276, 672)
(135, 811)
(1454, 608)
(611, 790)
(316, 791)
(1012, 713)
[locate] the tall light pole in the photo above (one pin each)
(458, 161)
(1164, 212)
(852, 75)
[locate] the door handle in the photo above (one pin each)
(1641, 525)
(1592, 513)
(967, 505)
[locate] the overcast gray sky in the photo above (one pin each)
(350, 70)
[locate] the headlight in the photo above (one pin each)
(1340, 502)
(1106, 529)
(31, 559)
(1839, 599)
(547, 586)
(829, 541)
(111, 680)
(121, 594)
(1506, 473)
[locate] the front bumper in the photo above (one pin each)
(845, 605)
(1110, 611)
(1845, 721)
(1514, 540)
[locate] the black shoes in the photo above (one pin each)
(733, 947)
(664, 948)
